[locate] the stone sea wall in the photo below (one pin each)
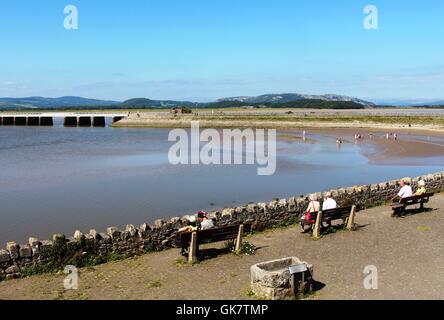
(94, 248)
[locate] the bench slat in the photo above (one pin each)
(332, 214)
(211, 235)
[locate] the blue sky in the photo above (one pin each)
(206, 49)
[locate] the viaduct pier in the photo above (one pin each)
(70, 119)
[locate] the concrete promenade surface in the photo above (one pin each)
(408, 253)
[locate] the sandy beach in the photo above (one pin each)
(410, 145)
(418, 136)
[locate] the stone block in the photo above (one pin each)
(46, 245)
(113, 232)
(159, 223)
(131, 230)
(25, 251)
(13, 249)
(12, 270)
(175, 220)
(33, 242)
(228, 212)
(212, 215)
(282, 203)
(383, 185)
(272, 279)
(4, 256)
(78, 235)
(105, 238)
(89, 239)
(144, 227)
(239, 210)
(58, 237)
(94, 234)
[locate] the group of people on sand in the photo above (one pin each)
(391, 134)
(359, 136)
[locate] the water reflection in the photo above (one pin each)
(61, 179)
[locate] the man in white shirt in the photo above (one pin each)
(329, 202)
(406, 190)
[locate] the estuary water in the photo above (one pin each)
(58, 180)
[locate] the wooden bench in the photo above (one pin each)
(399, 207)
(346, 214)
(192, 240)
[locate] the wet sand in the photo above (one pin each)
(400, 119)
(409, 146)
(121, 176)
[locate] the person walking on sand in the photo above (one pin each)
(313, 206)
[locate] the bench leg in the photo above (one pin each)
(351, 218)
(397, 212)
(192, 254)
(317, 227)
(239, 239)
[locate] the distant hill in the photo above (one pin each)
(300, 104)
(290, 97)
(409, 102)
(49, 103)
(288, 100)
(430, 103)
(148, 103)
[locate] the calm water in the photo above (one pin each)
(62, 179)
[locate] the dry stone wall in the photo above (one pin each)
(94, 248)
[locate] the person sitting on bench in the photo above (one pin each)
(405, 191)
(205, 223)
(421, 188)
(313, 206)
(329, 203)
(190, 227)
